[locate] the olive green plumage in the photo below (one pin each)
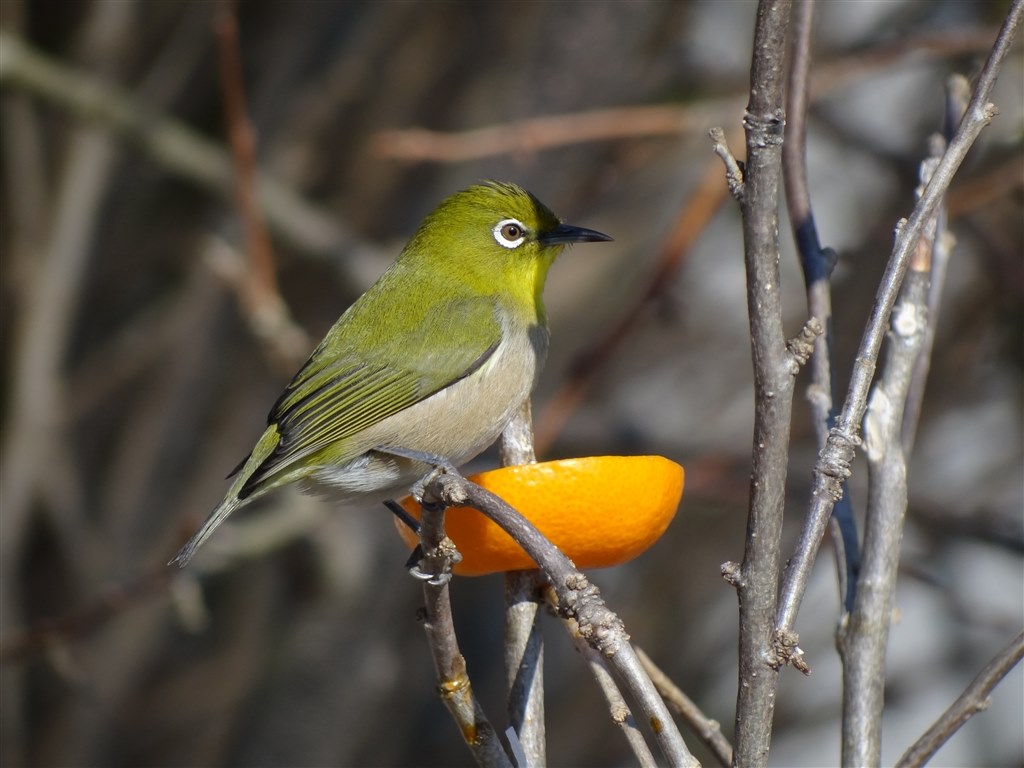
(435, 357)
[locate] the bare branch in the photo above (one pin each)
(453, 683)
(524, 644)
(973, 700)
(707, 730)
(817, 264)
(263, 304)
(833, 466)
(621, 714)
(774, 381)
(577, 599)
(958, 91)
(865, 634)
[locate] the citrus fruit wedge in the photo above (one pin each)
(599, 510)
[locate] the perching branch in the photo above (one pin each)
(973, 700)
(577, 599)
(453, 683)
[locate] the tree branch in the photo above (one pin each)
(577, 599)
(524, 644)
(453, 683)
(774, 378)
(973, 700)
(707, 730)
(816, 264)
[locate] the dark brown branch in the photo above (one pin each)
(262, 302)
(973, 700)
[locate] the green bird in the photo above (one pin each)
(433, 360)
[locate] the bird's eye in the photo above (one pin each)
(509, 233)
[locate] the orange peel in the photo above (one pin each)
(599, 510)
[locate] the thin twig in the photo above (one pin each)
(266, 309)
(774, 382)
(577, 599)
(540, 133)
(973, 700)
(707, 730)
(833, 466)
(621, 714)
(537, 134)
(816, 264)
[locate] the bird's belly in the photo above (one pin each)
(456, 423)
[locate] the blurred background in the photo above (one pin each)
(141, 354)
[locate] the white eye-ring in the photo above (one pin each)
(509, 233)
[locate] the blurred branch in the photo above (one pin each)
(536, 134)
(707, 730)
(173, 147)
(621, 714)
(691, 221)
(577, 599)
(266, 310)
(756, 580)
(56, 633)
(973, 700)
(816, 264)
(524, 643)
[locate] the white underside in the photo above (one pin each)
(456, 423)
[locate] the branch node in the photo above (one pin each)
(765, 130)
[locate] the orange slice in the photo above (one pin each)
(599, 510)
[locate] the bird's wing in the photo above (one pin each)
(407, 360)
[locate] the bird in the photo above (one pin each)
(428, 366)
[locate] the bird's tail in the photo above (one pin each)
(218, 516)
(234, 499)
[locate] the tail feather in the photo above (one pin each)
(218, 516)
(231, 502)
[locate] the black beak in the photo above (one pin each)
(566, 233)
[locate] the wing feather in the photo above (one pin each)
(331, 401)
